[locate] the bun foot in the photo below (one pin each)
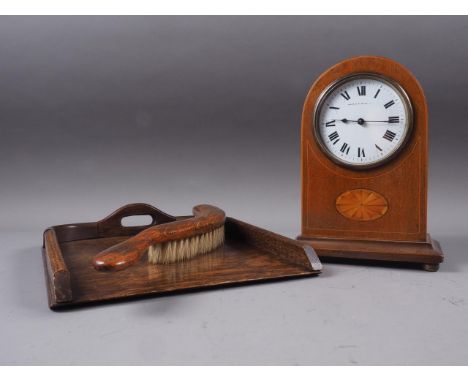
(431, 267)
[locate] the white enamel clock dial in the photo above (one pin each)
(363, 120)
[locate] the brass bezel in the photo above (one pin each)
(332, 87)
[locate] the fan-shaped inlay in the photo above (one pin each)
(361, 204)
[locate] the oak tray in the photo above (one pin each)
(250, 254)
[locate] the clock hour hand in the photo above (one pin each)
(360, 121)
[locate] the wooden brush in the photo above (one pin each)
(167, 243)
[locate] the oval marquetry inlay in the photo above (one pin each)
(361, 204)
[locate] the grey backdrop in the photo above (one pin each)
(96, 112)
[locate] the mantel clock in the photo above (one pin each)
(364, 144)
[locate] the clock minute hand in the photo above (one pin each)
(362, 121)
(388, 121)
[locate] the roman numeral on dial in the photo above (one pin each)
(377, 93)
(361, 90)
(345, 95)
(333, 136)
(334, 107)
(360, 152)
(393, 119)
(389, 103)
(331, 123)
(389, 135)
(378, 147)
(345, 148)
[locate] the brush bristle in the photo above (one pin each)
(184, 249)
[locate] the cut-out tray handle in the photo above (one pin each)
(112, 224)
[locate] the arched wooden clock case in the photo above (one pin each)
(391, 199)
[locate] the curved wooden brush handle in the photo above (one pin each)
(206, 218)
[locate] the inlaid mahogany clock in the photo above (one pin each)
(364, 144)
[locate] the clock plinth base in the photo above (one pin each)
(428, 253)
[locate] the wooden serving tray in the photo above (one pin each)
(249, 254)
